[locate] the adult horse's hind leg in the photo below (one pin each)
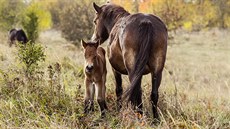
(156, 80)
(119, 89)
(136, 96)
(10, 43)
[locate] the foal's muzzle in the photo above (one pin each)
(89, 68)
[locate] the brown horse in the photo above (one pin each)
(137, 46)
(95, 75)
(17, 34)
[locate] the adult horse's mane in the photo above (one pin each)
(114, 11)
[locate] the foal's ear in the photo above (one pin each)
(83, 43)
(97, 8)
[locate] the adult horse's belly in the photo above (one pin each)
(115, 58)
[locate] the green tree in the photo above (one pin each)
(30, 55)
(30, 24)
(55, 10)
(35, 19)
(10, 11)
(171, 12)
(222, 11)
(76, 21)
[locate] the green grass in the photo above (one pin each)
(194, 93)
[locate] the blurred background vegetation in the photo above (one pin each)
(74, 17)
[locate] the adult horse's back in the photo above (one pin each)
(137, 46)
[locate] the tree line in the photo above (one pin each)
(74, 18)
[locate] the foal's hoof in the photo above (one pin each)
(103, 115)
(119, 105)
(85, 113)
(156, 121)
(119, 108)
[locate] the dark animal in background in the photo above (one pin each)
(137, 46)
(17, 34)
(95, 76)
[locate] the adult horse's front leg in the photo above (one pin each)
(156, 80)
(119, 89)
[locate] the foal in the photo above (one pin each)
(95, 76)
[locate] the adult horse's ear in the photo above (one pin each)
(83, 43)
(97, 8)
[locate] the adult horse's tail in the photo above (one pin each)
(145, 41)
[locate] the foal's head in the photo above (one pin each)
(90, 54)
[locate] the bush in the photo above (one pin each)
(30, 24)
(30, 55)
(10, 11)
(74, 19)
(37, 103)
(35, 19)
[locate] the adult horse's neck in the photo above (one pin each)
(113, 16)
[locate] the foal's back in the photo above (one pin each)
(101, 53)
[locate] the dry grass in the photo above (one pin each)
(195, 89)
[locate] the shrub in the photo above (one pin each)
(35, 19)
(30, 55)
(30, 24)
(10, 11)
(76, 20)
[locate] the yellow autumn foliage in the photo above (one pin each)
(44, 17)
(189, 14)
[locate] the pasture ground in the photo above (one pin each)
(194, 93)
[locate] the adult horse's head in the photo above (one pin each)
(106, 16)
(90, 54)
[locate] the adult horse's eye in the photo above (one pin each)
(95, 21)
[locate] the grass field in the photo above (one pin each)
(194, 93)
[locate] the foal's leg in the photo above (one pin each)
(101, 97)
(92, 91)
(89, 96)
(119, 89)
(156, 80)
(104, 90)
